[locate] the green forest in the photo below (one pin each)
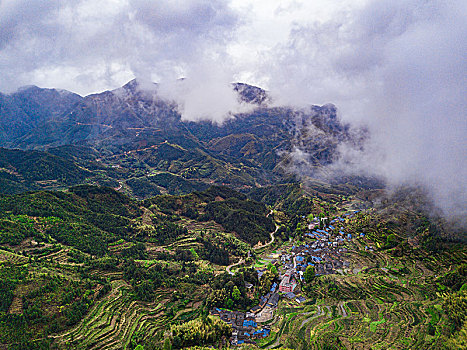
(77, 263)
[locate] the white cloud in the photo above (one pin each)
(96, 44)
(397, 66)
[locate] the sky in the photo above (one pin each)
(397, 67)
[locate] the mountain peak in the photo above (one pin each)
(251, 94)
(134, 87)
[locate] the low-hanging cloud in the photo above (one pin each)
(399, 68)
(206, 93)
(396, 67)
(86, 45)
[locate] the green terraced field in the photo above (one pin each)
(114, 320)
(394, 313)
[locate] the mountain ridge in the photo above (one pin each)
(134, 126)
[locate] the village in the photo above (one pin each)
(322, 246)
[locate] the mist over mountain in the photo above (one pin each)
(256, 143)
(261, 174)
(155, 147)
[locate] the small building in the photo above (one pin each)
(249, 323)
(316, 259)
(263, 333)
(288, 283)
(255, 309)
(300, 299)
(299, 258)
(273, 300)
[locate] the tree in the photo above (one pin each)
(272, 268)
(236, 293)
(309, 274)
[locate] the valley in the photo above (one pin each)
(123, 226)
(167, 268)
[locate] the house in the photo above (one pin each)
(255, 309)
(316, 259)
(290, 295)
(239, 321)
(249, 323)
(300, 299)
(273, 300)
(288, 283)
(216, 312)
(234, 337)
(263, 333)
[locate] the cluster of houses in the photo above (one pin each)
(244, 326)
(325, 253)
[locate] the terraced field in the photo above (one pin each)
(12, 257)
(114, 320)
(374, 310)
(369, 326)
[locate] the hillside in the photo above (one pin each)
(33, 170)
(95, 268)
(89, 234)
(123, 226)
(134, 128)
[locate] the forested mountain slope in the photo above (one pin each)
(133, 127)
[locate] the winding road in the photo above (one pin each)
(241, 261)
(271, 235)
